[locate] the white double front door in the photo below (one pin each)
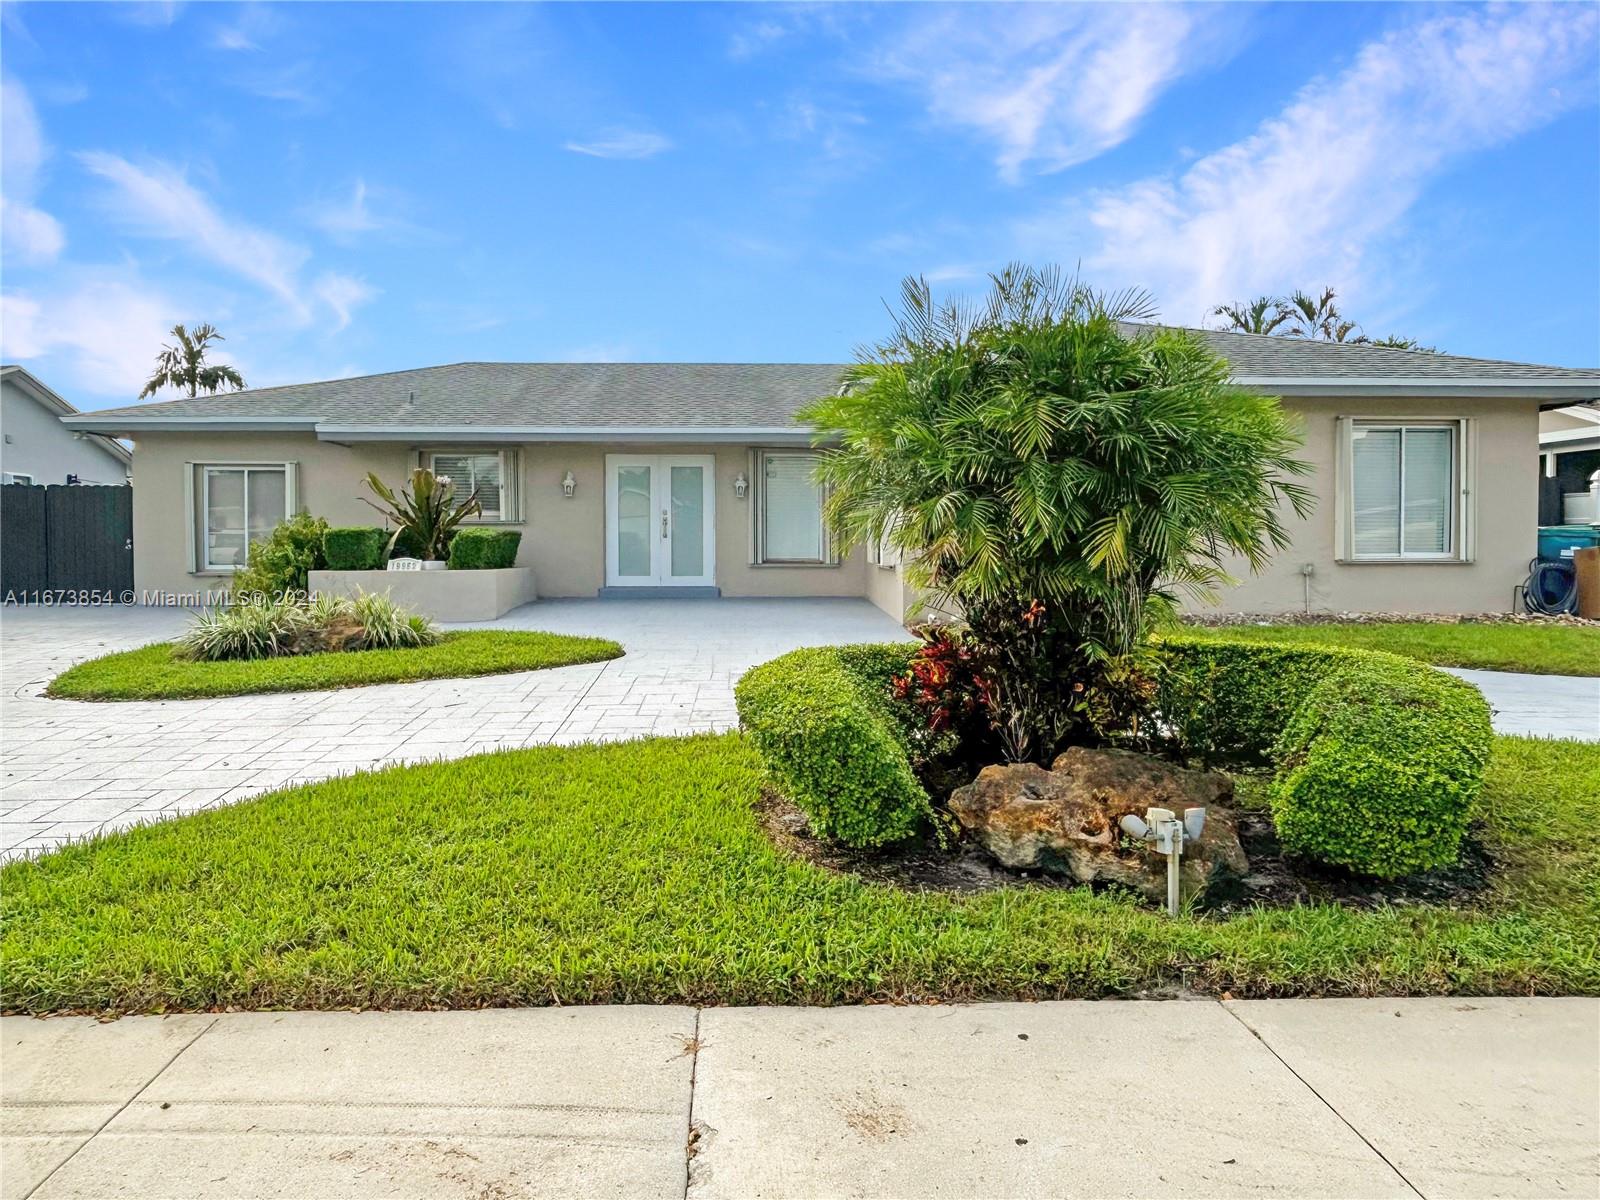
(660, 520)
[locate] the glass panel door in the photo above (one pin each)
(660, 523)
(635, 501)
(688, 528)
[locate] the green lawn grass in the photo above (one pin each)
(1538, 649)
(636, 872)
(157, 673)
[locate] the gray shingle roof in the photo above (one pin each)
(1256, 355)
(541, 395)
(757, 396)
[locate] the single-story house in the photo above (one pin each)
(1569, 460)
(635, 477)
(38, 449)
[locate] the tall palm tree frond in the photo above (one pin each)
(184, 365)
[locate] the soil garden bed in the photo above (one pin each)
(1275, 880)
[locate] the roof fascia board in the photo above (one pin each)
(99, 423)
(564, 433)
(41, 392)
(1557, 436)
(1527, 389)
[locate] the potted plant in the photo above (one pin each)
(425, 514)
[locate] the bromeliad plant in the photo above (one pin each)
(425, 514)
(1057, 477)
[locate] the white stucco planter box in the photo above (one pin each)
(442, 595)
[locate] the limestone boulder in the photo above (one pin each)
(1066, 819)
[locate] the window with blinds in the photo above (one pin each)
(1404, 490)
(490, 475)
(790, 527)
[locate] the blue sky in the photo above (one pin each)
(347, 189)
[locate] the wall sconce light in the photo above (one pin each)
(568, 485)
(740, 485)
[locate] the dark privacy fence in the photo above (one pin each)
(59, 541)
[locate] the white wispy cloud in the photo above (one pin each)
(953, 273)
(362, 210)
(231, 37)
(158, 201)
(151, 13)
(1050, 85)
(622, 143)
(251, 28)
(1314, 192)
(101, 333)
(342, 294)
(28, 234)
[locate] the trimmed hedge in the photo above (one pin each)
(1378, 760)
(355, 548)
(823, 720)
(479, 549)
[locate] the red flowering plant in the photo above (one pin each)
(951, 699)
(944, 683)
(1021, 688)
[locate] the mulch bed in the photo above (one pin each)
(1275, 880)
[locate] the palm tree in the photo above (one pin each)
(1393, 342)
(1261, 315)
(184, 366)
(1317, 317)
(1055, 476)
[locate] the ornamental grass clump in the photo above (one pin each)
(293, 626)
(256, 628)
(1055, 478)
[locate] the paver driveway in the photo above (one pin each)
(73, 767)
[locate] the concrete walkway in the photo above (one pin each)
(1556, 706)
(71, 767)
(1402, 1098)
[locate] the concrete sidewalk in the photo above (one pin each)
(1438, 1097)
(1553, 706)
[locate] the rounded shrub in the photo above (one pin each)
(1380, 768)
(823, 722)
(1377, 760)
(480, 549)
(355, 548)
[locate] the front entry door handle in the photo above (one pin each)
(663, 524)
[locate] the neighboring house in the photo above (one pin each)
(695, 476)
(39, 449)
(1569, 460)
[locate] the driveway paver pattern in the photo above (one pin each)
(72, 767)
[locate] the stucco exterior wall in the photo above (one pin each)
(328, 484)
(564, 539)
(1502, 509)
(37, 444)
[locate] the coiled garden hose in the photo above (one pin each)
(1552, 588)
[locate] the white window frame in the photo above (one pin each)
(759, 557)
(510, 490)
(882, 552)
(195, 476)
(1460, 536)
(19, 477)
